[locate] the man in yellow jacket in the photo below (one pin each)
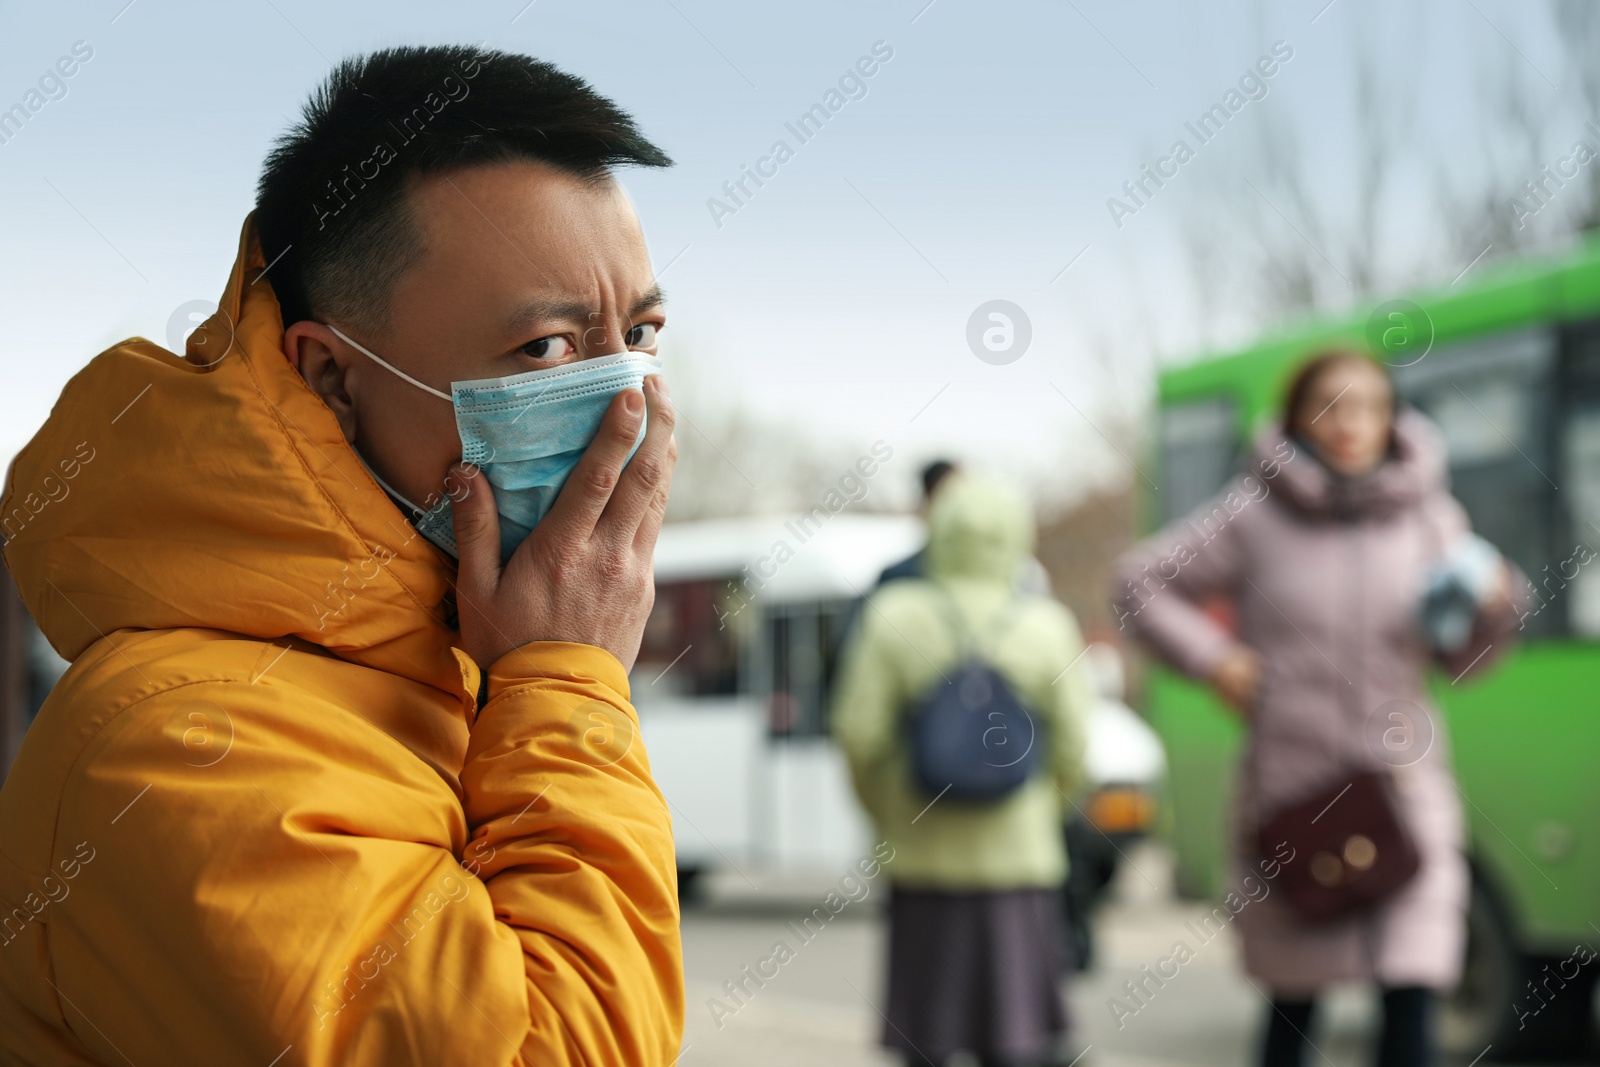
(336, 777)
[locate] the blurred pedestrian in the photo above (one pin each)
(974, 923)
(1031, 579)
(911, 567)
(1321, 551)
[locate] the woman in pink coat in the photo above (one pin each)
(1322, 549)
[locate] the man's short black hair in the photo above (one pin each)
(933, 474)
(331, 207)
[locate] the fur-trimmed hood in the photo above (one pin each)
(1414, 470)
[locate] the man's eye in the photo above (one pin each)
(549, 348)
(644, 335)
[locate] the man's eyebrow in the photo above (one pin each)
(652, 297)
(544, 309)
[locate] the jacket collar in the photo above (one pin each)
(219, 492)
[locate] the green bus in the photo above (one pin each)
(1509, 366)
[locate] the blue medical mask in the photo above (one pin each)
(526, 432)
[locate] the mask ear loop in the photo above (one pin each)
(380, 361)
(392, 491)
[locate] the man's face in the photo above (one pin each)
(525, 267)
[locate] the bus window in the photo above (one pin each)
(690, 646)
(1491, 399)
(803, 643)
(1199, 450)
(1580, 479)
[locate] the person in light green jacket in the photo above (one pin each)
(974, 940)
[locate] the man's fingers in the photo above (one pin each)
(583, 498)
(650, 525)
(648, 473)
(477, 528)
(644, 540)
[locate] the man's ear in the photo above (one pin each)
(322, 359)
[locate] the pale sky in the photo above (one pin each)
(836, 299)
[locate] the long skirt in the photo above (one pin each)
(979, 971)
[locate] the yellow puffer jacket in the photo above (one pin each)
(263, 819)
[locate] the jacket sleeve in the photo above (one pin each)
(867, 699)
(318, 892)
(1497, 624)
(584, 874)
(1162, 581)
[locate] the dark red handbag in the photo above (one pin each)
(1352, 849)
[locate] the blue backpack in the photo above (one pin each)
(971, 738)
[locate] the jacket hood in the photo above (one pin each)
(214, 489)
(1415, 468)
(977, 530)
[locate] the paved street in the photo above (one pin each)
(818, 1009)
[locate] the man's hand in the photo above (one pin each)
(585, 573)
(1237, 678)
